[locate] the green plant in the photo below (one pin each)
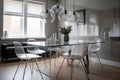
(65, 30)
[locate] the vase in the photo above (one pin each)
(66, 37)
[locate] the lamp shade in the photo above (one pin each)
(57, 8)
(48, 15)
(68, 16)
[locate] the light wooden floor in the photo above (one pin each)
(96, 73)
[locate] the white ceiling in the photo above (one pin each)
(97, 4)
(94, 4)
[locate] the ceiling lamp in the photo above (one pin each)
(76, 17)
(48, 14)
(57, 8)
(65, 15)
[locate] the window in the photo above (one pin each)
(92, 29)
(12, 24)
(22, 19)
(81, 29)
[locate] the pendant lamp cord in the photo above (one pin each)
(117, 9)
(65, 6)
(73, 7)
(46, 2)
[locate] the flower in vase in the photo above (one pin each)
(65, 30)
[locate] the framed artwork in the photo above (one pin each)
(82, 14)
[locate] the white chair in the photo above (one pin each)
(78, 53)
(95, 48)
(35, 49)
(20, 53)
(57, 50)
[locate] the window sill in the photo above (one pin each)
(21, 38)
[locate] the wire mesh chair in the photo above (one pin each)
(20, 53)
(95, 48)
(35, 49)
(78, 53)
(58, 52)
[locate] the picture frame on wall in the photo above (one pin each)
(82, 13)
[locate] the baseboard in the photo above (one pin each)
(107, 62)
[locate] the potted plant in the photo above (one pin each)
(66, 32)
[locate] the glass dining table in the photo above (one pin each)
(47, 45)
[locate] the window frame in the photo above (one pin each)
(25, 15)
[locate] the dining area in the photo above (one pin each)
(59, 40)
(73, 63)
(77, 50)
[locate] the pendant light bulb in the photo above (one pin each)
(49, 15)
(57, 8)
(62, 16)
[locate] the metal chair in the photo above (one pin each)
(95, 48)
(35, 49)
(20, 53)
(79, 52)
(57, 50)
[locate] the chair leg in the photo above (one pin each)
(25, 69)
(50, 63)
(38, 68)
(86, 64)
(84, 69)
(99, 60)
(60, 68)
(16, 70)
(71, 74)
(45, 63)
(55, 59)
(32, 65)
(57, 56)
(83, 65)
